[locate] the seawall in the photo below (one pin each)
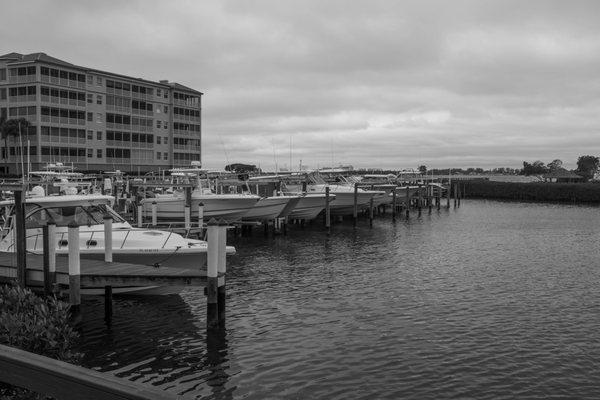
(534, 191)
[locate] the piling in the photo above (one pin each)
(154, 212)
(419, 200)
(407, 201)
(108, 305)
(454, 194)
(74, 269)
(438, 198)
(188, 208)
(20, 239)
(221, 272)
(327, 211)
(394, 204)
(458, 193)
(448, 190)
(49, 245)
(140, 215)
(212, 284)
(355, 212)
(108, 250)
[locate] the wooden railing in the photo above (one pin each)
(67, 381)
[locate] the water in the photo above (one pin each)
(490, 300)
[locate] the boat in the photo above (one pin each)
(170, 206)
(269, 208)
(310, 206)
(150, 247)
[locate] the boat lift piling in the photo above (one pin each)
(394, 205)
(49, 248)
(327, 211)
(187, 208)
(74, 270)
(355, 212)
(20, 239)
(407, 201)
(108, 251)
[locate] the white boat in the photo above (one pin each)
(272, 207)
(129, 245)
(226, 206)
(309, 206)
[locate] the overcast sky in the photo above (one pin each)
(390, 84)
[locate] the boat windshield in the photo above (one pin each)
(83, 215)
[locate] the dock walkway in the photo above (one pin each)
(97, 273)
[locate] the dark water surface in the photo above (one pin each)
(490, 300)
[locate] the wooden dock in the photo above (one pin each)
(98, 274)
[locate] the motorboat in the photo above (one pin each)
(269, 208)
(151, 247)
(230, 207)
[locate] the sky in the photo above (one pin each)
(373, 84)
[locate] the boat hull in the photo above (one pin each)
(309, 206)
(269, 208)
(227, 207)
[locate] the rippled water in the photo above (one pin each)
(490, 300)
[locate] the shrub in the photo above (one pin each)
(34, 324)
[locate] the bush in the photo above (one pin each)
(34, 324)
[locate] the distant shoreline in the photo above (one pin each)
(533, 191)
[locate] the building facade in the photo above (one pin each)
(95, 120)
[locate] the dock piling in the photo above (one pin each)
(221, 272)
(371, 212)
(355, 212)
(212, 284)
(21, 244)
(187, 209)
(154, 212)
(108, 305)
(394, 204)
(327, 211)
(74, 268)
(108, 251)
(407, 201)
(200, 215)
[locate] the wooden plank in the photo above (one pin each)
(67, 381)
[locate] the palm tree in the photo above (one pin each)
(13, 128)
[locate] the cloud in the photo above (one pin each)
(371, 83)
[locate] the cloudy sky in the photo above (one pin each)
(390, 84)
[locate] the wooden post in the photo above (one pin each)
(221, 271)
(438, 198)
(140, 215)
(200, 214)
(212, 283)
(154, 212)
(394, 204)
(407, 204)
(419, 199)
(458, 193)
(49, 232)
(74, 268)
(448, 191)
(327, 211)
(188, 207)
(20, 238)
(454, 194)
(371, 212)
(355, 212)
(108, 305)
(108, 242)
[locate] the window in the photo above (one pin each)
(158, 92)
(99, 80)
(158, 140)
(158, 124)
(166, 156)
(158, 155)
(99, 153)
(166, 141)
(90, 135)
(99, 135)
(2, 94)
(98, 99)
(2, 74)
(165, 109)
(90, 79)
(90, 117)
(90, 98)
(90, 153)
(165, 124)
(99, 118)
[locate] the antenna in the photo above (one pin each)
(224, 149)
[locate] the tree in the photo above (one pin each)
(587, 166)
(423, 169)
(537, 168)
(241, 168)
(555, 165)
(12, 128)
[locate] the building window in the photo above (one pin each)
(99, 118)
(99, 80)
(90, 98)
(99, 153)
(98, 99)
(166, 141)
(165, 109)
(2, 74)
(166, 156)
(158, 140)
(165, 124)
(99, 135)
(158, 124)
(90, 153)
(158, 92)
(90, 117)
(90, 135)
(158, 155)
(3, 94)
(90, 79)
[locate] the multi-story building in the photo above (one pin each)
(95, 120)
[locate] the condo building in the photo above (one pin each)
(95, 120)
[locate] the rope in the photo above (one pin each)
(157, 264)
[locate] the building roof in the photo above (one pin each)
(43, 57)
(561, 173)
